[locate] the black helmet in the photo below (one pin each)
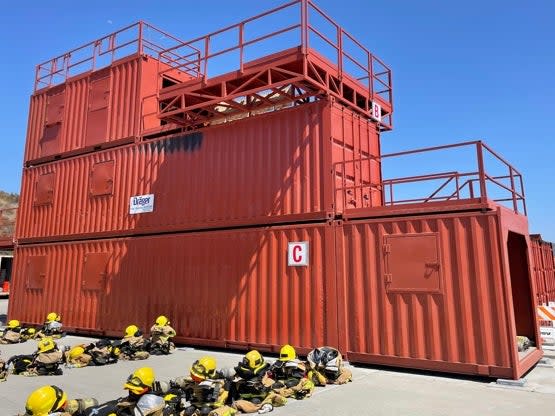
(103, 343)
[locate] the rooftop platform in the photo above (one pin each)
(287, 56)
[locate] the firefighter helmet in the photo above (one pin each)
(287, 353)
(253, 360)
(132, 331)
(203, 368)
(14, 323)
(140, 381)
(45, 400)
(46, 344)
(53, 316)
(162, 321)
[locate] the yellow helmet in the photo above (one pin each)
(45, 400)
(53, 316)
(287, 353)
(46, 344)
(203, 368)
(76, 352)
(14, 323)
(253, 360)
(140, 381)
(162, 320)
(131, 331)
(31, 331)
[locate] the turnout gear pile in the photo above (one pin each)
(12, 333)
(160, 334)
(288, 375)
(326, 367)
(133, 346)
(253, 386)
(76, 357)
(203, 392)
(51, 400)
(28, 333)
(52, 326)
(248, 392)
(139, 384)
(102, 352)
(45, 361)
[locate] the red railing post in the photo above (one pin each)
(206, 51)
(304, 26)
(513, 192)
(140, 45)
(523, 195)
(370, 75)
(339, 50)
(481, 171)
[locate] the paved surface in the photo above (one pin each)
(373, 392)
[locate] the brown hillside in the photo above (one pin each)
(8, 203)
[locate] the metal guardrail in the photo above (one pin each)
(505, 186)
(136, 39)
(310, 27)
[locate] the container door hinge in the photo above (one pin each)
(387, 278)
(387, 248)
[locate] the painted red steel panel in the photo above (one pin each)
(465, 323)
(99, 108)
(234, 288)
(544, 269)
(275, 167)
(227, 288)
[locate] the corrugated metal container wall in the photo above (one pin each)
(544, 269)
(106, 107)
(271, 168)
(224, 288)
(454, 316)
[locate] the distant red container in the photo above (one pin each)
(544, 269)
(447, 292)
(283, 166)
(107, 107)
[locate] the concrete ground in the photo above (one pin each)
(373, 391)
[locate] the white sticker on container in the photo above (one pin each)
(376, 112)
(297, 254)
(141, 203)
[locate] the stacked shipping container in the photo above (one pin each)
(226, 204)
(544, 269)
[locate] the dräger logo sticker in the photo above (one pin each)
(141, 203)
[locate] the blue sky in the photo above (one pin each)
(461, 70)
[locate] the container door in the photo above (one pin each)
(97, 117)
(52, 133)
(412, 263)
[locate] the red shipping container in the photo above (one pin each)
(220, 288)
(543, 269)
(447, 292)
(441, 292)
(282, 166)
(107, 107)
